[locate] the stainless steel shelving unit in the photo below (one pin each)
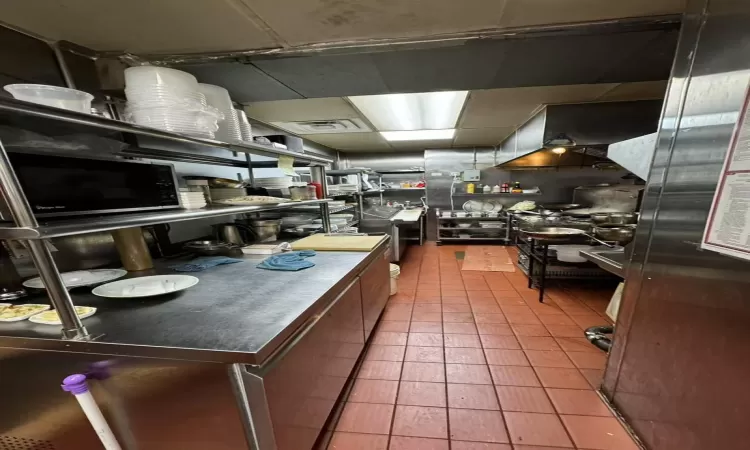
(502, 217)
(33, 232)
(359, 194)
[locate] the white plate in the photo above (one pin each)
(52, 318)
(81, 278)
(473, 206)
(146, 286)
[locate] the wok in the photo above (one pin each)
(559, 233)
(561, 206)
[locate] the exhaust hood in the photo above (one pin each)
(576, 135)
(634, 154)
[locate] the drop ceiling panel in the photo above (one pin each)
(420, 145)
(326, 76)
(301, 110)
(481, 136)
(311, 21)
(520, 13)
(351, 141)
(141, 26)
(245, 82)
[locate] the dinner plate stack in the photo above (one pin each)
(246, 130)
(218, 97)
(169, 99)
(192, 200)
(274, 182)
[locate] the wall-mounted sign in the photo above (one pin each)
(728, 226)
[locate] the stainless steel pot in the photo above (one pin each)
(265, 230)
(620, 218)
(622, 234)
(230, 233)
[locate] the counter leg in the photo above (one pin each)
(545, 249)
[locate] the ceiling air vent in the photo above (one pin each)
(324, 126)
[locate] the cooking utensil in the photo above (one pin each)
(622, 234)
(230, 232)
(207, 247)
(561, 206)
(614, 218)
(265, 230)
(571, 253)
(145, 286)
(552, 233)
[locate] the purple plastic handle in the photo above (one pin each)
(75, 384)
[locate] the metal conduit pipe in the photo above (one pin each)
(599, 336)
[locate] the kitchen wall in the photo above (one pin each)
(678, 368)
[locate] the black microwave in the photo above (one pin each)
(59, 186)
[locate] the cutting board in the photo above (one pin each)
(337, 243)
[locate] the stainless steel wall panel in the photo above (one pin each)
(376, 288)
(676, 369)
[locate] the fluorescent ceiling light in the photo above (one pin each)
(402, 112)
(418, 135)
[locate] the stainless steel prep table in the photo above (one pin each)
(265, 353)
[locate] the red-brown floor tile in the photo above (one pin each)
(538, 343)
(467, 374)
(462, 340)
(505, 302)
(522, 319)
(565, 330)
(486, 309)
(453, 293)
(548, 358)
(459, 328)
(513, 296)
(501, 342)
(452, 285)
(593, 376)
(458, 317)
(514, 376)
(424, 354)
(554, 319)
(578, 402)
(538, 447)
(401, 298)
(587, 360)
(426, 327)
(463, 445)
(421, 316)
(536, 429)
(389, 338)
(428, 307)
(420, 393)
(426, 301)
(530, 330)
(456, 308)
(412, 443)
(524, 399)
(479, 294)
(490, 318)
(548, 308)
(419, 371)
(372, 418)
(517, 309)
(380, 370)
(385, 353)
(397, 314)
(476, 285)
(495, 328)
(500, 357)
(393, 325)
(553, 377)
(598, 433)
(464, 356)
(577, 344)
(359, 441)
(420, 421)
(425, 294)
(455, 301)
(374, 391)
(477, 426)
(472, 396)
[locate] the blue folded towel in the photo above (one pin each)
(203, 263)
(291, 261)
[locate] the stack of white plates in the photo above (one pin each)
(218, 97)
(168, 99)
(225, 193)
(274, 182)
(246, 130)
(192, 200)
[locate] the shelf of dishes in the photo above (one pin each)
(83, 225)
(490, 194)
(453, 215)
(20, 107)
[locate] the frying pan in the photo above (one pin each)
(559, 233)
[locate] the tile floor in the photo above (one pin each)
(471, 360)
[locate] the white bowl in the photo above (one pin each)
(59, 97)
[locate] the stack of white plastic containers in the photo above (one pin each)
(171, 100)
(218, 97)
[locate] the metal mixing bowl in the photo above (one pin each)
(622, 234)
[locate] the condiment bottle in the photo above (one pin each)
(486, 189)
(517, 188)
(496, 189)
(470, 188)
(505, 189)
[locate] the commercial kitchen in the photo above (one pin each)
(498, 225)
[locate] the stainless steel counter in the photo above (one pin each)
(237, 313)
(613, 261)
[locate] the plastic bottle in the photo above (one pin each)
(486, 189)
(470, 188)
(496, 189)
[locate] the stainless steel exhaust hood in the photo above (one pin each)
(576, 135)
